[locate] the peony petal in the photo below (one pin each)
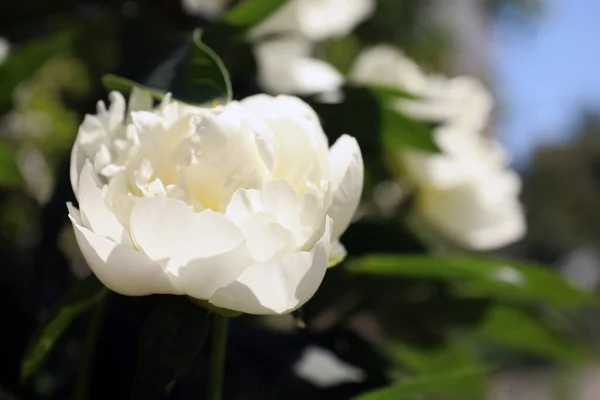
(244, 203)
(286, 67)
(278, 286)
(164, 228)
(267, 239)
(139, 100)
(119, 267)
(94, 213)
(347, 175)
(465, 216)
(320, 19)
(203, 276)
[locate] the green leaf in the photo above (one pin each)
(194, 74)
(481, 276)
(78, 300)
(9, 172)
(413, 388)
(456, 353)
(25, 60)
(391, 93)
(249, 13)
(514, 328)
(206, 70)
(125, 86)
(341, 52)
(399, 131)
(173, 335)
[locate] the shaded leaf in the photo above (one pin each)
(480, 276)
(172, 336)
(78, 300)
(516, 329)
(193, 74)
(413, 388)
(400, 131)
(251, 12)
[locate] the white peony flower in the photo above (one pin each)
(316, 20)
(466, 193)
(285, 66)
(238, 205)
(210, 9)
(4, 49)
(462, 101)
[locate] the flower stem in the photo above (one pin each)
(89, 347)
(217, 357)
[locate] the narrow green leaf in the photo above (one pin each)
(399, 131)
(26, 59)
(173, 335)
(79, 299)
(125, 86)
(249, 13)
(413, 388)
(482, 276)
(456, 353)
(516, 329)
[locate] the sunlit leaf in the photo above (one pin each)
(79, 299)
(399, 131)
(250, 12)
(480, 276)
(173, 335)
(414, 388)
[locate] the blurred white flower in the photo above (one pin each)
(462, 102)
(285, 66)
(238, 205)
(466, 192)
(210, 9)
(316, 20)
(324, 369)
(4, 49)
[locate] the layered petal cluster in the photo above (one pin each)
(239, 205)
(467, 192)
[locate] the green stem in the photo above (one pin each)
(89, 345)
(217, 357)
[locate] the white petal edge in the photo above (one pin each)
(118, 267)
(347, 176)
(278, 287)
(94, 213)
